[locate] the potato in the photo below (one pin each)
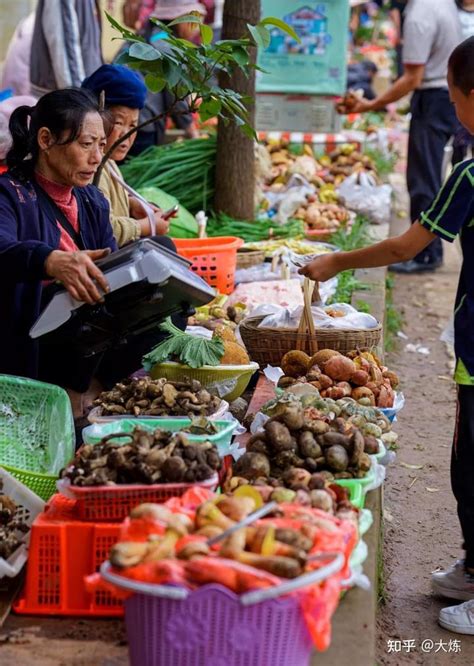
(346, 387)
(337, 458)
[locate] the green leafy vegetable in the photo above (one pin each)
(188, 349)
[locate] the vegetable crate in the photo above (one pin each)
(114, 503)
(63, 550)
(29, 506)
(36, 432)
(214, 259)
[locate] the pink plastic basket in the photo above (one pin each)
(212, 626)
(114, 503)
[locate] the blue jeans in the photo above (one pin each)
(433, 122)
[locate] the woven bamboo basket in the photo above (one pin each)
(249, 258)
(267, 346)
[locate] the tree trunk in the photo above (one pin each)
(235, 168)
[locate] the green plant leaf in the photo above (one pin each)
(278, 23)
(260, 35)
(126, 34)
(188, 349)
(144, 52)
(187, 18)
(206, 33)
(154, 83)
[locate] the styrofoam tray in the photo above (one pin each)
(29, 506)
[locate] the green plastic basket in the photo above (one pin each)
(93, 434)
(36, 432)
(356, 496)
(358, 483)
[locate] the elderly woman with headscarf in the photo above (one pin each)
(124, 96)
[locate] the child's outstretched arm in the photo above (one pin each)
(390, 251)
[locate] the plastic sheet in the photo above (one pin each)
(361, 194)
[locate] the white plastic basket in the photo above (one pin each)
(29, 506)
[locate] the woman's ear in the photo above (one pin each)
(45, 139)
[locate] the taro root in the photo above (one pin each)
(257, 444)
(293, 538)
(335, 393)
(279, 436)
(346, 387)
(295, 363)
(371, 445)
(252, 465)
(386, 397)
(316, 426)
(293, 417)
(310, 464)
(286, 459)
(308, 446)
(337, 458)
(357, 447)
(335, 438)
(339, 368)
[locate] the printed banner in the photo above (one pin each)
(318, 63)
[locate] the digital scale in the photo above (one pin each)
(148, 283)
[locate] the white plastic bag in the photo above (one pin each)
(361, 194)
(290, 318)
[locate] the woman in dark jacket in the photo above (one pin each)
(53, 224)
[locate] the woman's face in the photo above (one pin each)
(74, 164)
(124, 119)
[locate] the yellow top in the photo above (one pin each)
(125, 228)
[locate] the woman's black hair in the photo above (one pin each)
(461, 66)
(459, 4)
(61, 111)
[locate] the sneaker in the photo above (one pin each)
(459, 619)
(453, 583)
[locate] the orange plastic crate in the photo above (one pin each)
(214, 259)
(62, 551)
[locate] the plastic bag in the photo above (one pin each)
(361, 194)
(398, 405)
(290, 318)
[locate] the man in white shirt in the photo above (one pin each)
(431, 32)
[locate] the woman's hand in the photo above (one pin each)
(78, 273)
(321, 269)
(136, 208)
(162, 225)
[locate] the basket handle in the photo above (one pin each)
(257, 596)
(306, 325)
(167, 591)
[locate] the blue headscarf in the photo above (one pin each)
(121, 86)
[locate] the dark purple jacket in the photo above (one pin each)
(28, 234)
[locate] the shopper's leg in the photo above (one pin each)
(462, 469)
(433, 122)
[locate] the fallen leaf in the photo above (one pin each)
(387, 515)
(433, 490)
(408, 466)
(445, 378)
(413, 482)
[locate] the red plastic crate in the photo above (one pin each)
(114, 503)
(63, 550)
